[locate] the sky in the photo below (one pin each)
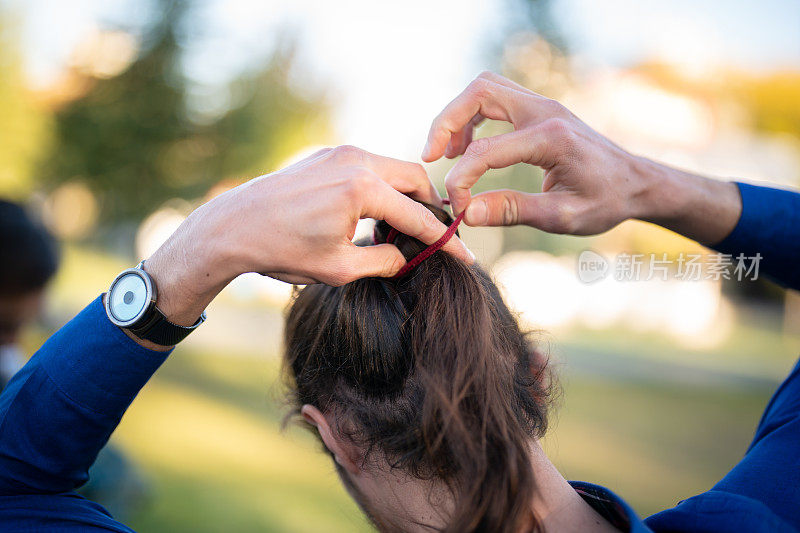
(392, 66)
(755, 35)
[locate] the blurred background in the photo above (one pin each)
(118, 118)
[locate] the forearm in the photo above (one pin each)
(294, 225)
(61, 408)
(188, 272)
(734, 218)
(700, 208)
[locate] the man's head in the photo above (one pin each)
(424, 391)
(28, 260)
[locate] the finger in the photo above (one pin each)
(483, 97)
(380, 261)
(383, 202)
(501, 80)
(529, 146)
(550, 212)
(405, 176)
(492, 92)
(461, 139)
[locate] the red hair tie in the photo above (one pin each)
(430, 250)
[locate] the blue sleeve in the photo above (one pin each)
(59, 411)
(770, 226)
(762, 492)
(770, 470)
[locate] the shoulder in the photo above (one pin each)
(717, 511)
(63, 512)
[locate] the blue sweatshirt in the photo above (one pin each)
(60, 409)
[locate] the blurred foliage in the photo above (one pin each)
(773, 101)
(537, 15)
(116, 136)
(533, 51)
(272, 124)
(24, 134)
(132, 141)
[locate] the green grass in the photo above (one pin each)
(653, 444)
(206, 430)
(757, 347)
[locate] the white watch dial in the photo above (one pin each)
(128, 297)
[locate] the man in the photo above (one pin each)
(297, 224)
(28, 262)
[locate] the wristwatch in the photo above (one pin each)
(131, 304)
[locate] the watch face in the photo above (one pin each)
(128, 298)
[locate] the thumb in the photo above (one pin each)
(549, 211)
(381, 261)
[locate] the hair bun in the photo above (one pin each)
(409, 246)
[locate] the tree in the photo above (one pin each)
(130, 139)
(25, 127)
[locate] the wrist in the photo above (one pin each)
(655, 183)
(697, 207)
(187, 279)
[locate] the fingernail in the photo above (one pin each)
(426, 149)
(477, 213)
(472, 255)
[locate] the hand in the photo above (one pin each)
(590, 184)
(297, 225)
(588, 181)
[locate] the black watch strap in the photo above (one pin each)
(155, 327)
(161, 331)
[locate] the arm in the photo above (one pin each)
(60, 409)
(591, 185)
(733, 218)
(769, 226)
(296, 224)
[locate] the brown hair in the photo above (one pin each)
(432, 371)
